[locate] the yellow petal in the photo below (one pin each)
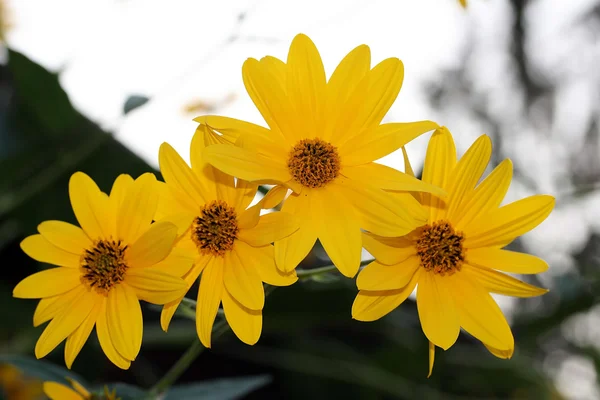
(40, 249)
(250, 217)
(370, 306)
(437, 311)
(262, 259)
(487, 196)
(78, 387)
(229, 133)
(57, 391)
(503, 225)
(244, 322)
(178, 262)
(155, 286)
(120, 187)
(77, 339)
(271, 100)
(153, 246)
(431, 358)
(65, 323)
(124, 317)
(376, 276)
(382, 213)
(370, 101)
(409, 171)
(478, 313)
(209, 298)
(245, 192)
(290, 251)
(277, 69)
(270, 228)
(383, 140)
(466, 174)
(172, 201)
(177, 173)
(497, 282)
(68, 237)
(386, 250)
(439, 162)
(49, 307)
(338, 229)
(106, 343)
(306, 84)
(506, 260)
(242, 281)
(91, 206)
(181, 220)
(387, 178)
(347, 75)
(138, 208)
(246, 165)
(274, 196)
(504, 354)
(47, 283)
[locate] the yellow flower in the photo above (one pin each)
(455, 258)
(230, 244)
(463, 3)
(58, 391)
(322, 141)
(103, 270)
(16, 386)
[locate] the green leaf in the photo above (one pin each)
(133, 102)
(40, 369)
(220, 389)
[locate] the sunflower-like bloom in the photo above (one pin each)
(323, 139)
(229, 242)
(58, 391)
(456, 257)
(104, 269)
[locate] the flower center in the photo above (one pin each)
(104, 265)
(441, 248)
(215, 229)
(314, 162)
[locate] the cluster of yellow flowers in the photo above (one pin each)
(150, 240)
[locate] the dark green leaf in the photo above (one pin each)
(221, 389)
(133, 102)
(40, 369)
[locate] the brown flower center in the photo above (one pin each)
(104, 265)
(441, 248)
(314, 162)
(215, 229)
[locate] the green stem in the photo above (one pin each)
(307, 273)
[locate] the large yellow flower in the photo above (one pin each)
(117, 258)
(58, 391)
(231, 243)
(323, 139)
(455, 258)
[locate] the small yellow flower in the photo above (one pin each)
(103, 269)
(58, 391)
(323, 139)
(455, 258)
(229, 242)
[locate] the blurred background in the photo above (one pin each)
(97, 86)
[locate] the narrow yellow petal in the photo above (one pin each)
(466, 174)
(182, 220)
(376, 276)
(153, 246)
(242, 281)
(57, 391)
(78, 387)
(138, 208)
(172, 201)
(388, 250)
(124, 317)
(497, 282)
(503, 225)
(177, 173)
(383, 140)
(50, 307)
(246, 164)
(120, 187)
(65, 323)
(91, 206)
(262, 259)
(178, 263)
(370, 306)
(209, 297)
(387, 178)
(155, 286)
(270, 228)
(506, 260)
(504, 354)
(290, 251)
(244, 322)
(277, 69)
(431, 357)
(437, 312)
(225, 125)
(408, 170)
(77, 339)
(106, 343)
(306, 85)
(40, 249)
(65, 236)
(487, 196)
(439, 161)
(249, 218)
(244, 193)
(478, 313)
(47, 283)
